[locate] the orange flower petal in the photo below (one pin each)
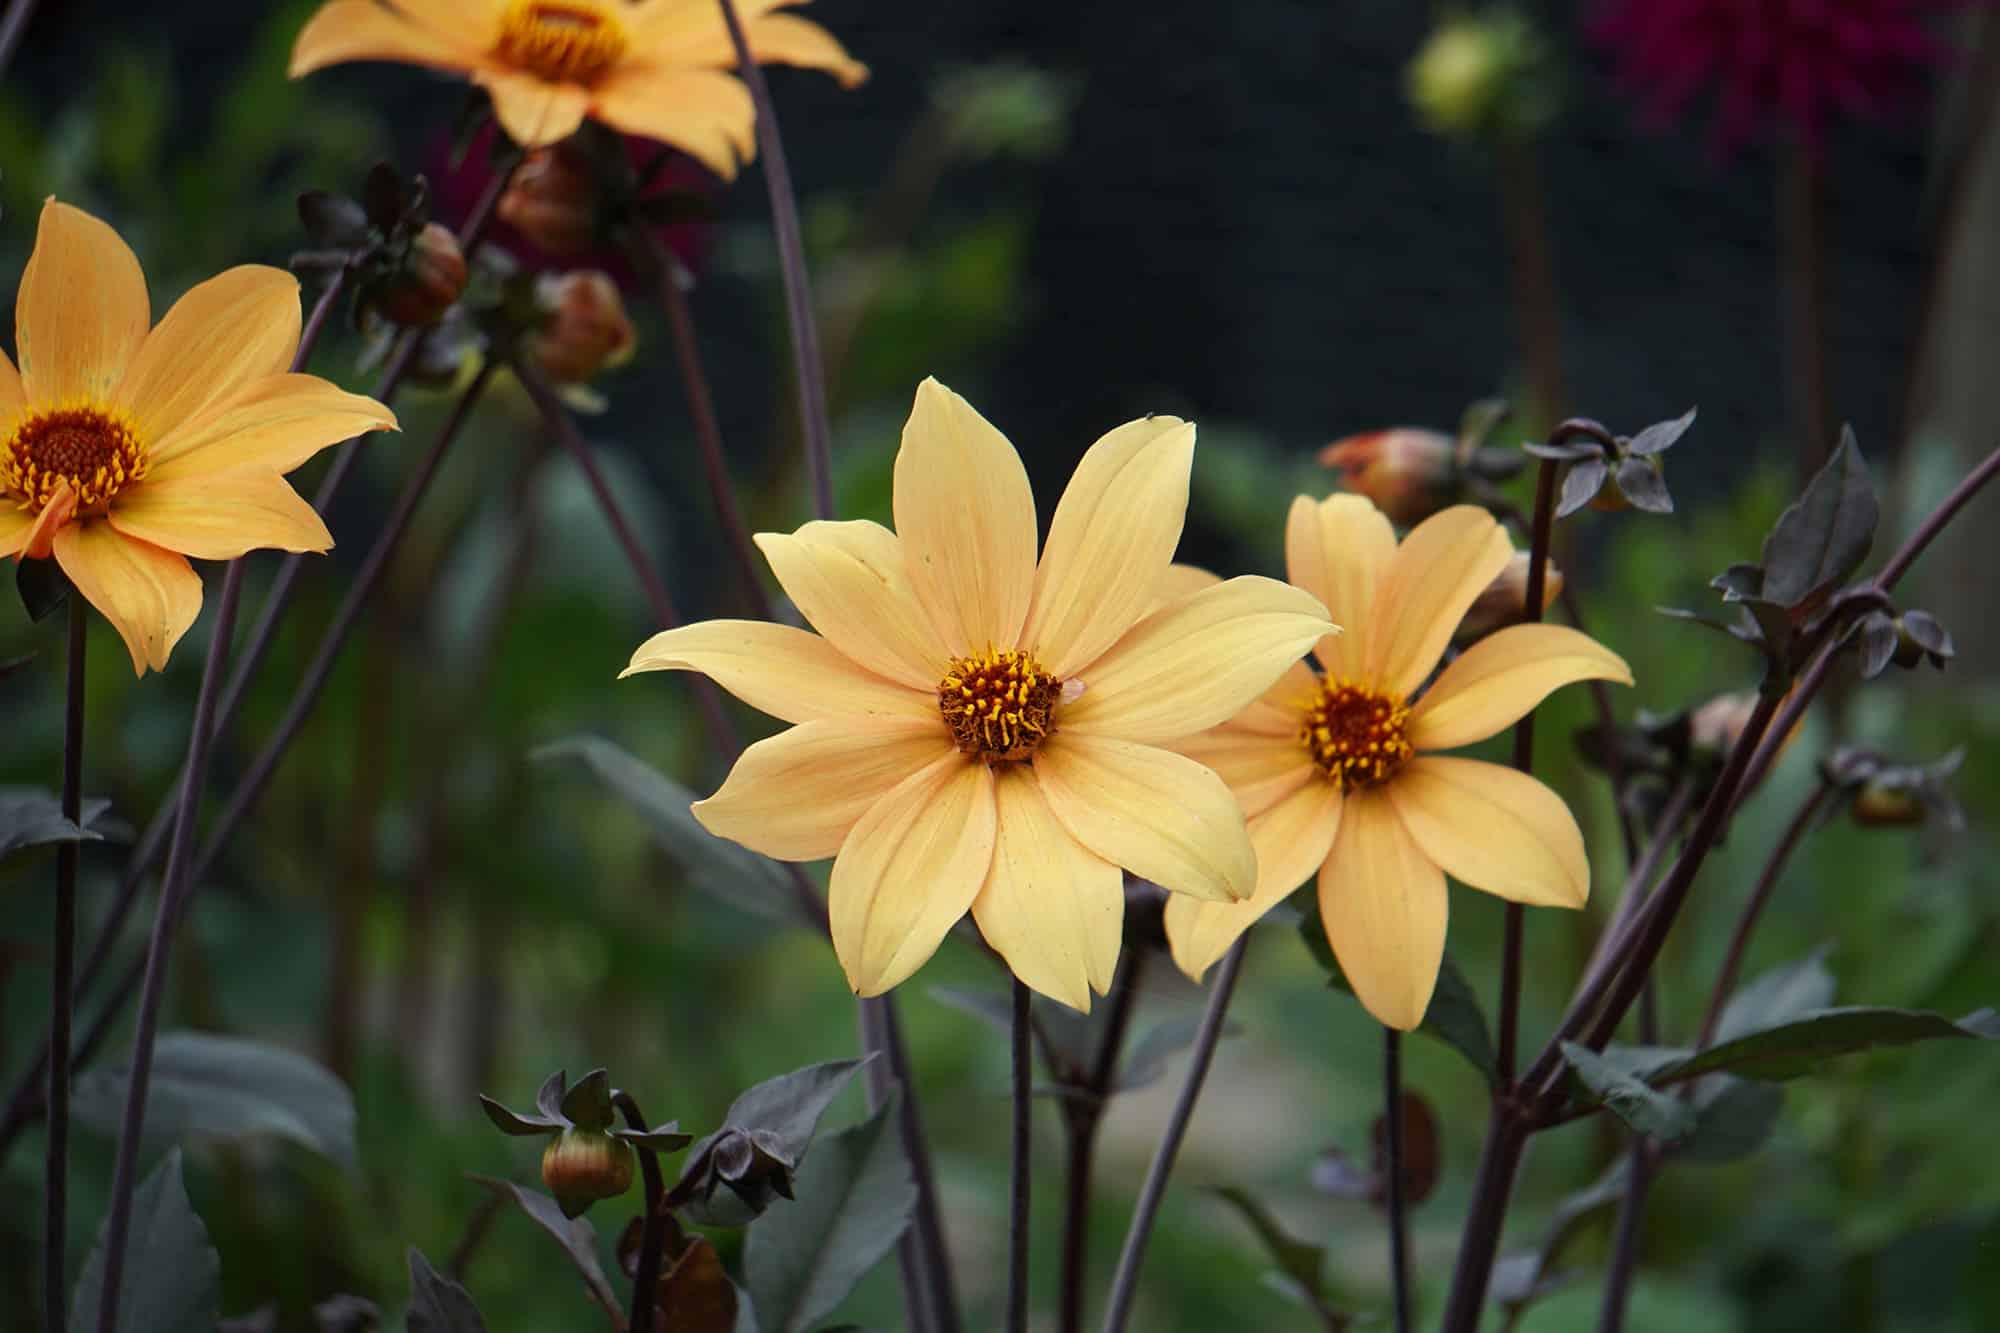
(1445, 562)
(1260, 770)
(850, 582)
(775, 39)
(1493, 828)
(238, 327)
(909, 871)
(1111, 541)
(347, 30)
(13, 398)
(1384, 907)
(1336, 549)
(150, 596)
(38, 542)
(534, 113)
(1050, 907)
(1495, 682)
(1292, 839)
(275, 423)
(704, 113)
(15, 525)
(82, 311)
(967, 520)
(782, 671)
(221, 516)
(797, 795)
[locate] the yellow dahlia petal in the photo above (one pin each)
(346, 30)
(1198, 661)
(1336, 549)
(1050, 907)
(275, 423)
(967, 520)
(797, 795)
(149, 595)
(705, 113)
(1179, 581)
(1493, 828)
(909, 870)
(13, 398)
(82, 311)
(15, 525)
(1445, 562)
(1495, 682)
(238, 327)
(850, 583)
(775, 39)
(1280, 710)
(785, 672)
(1383, 904)
(1112, 539)
(1158, 814)
(1292, 838)
(535, 113)
(1260, 770)
(221, 516)
(38, 542)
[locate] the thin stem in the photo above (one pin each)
(477, 1227)
(1614, 937)
(1485, 1217)
(1125, 1282)
(1399, 1235)
(1017, 1194)
(62, 996)
(807, 363)
(1631, 1228)
(12, 25)
(1802, 255)
(1083, 1113)
(1532, 274)
(653, 1233)
(125, 1174)
(880, 1082)
(932, 1259)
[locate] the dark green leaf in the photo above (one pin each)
(520, 1126)
(588, 1104)
(1454, 1017)
(1734, 631)
(1653, 1113)
(1660, 436)
(1522, 1277)
(1777, 997)
(782, 1113)
(722, 869)
(855, 1197)
(172, 1275)
(1805, 1044)
(1641, 482)
(664, 1138)
(207, 1085)
(42, 587)
(31, 817)
(1739, 582)
(1581, 484)
(1147, 1060)
(576, 1235)
(1733, 1118)
(1300, 1262)
(437, 1304)
(1825, 535)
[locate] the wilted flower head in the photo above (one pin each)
(1408, 473)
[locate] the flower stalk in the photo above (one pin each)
(62, 995)
(653, 1233)
(1023, 1149)
(1083, 1113)
(1399, 1226)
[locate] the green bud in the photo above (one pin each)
(1482, 74)
(581, 1166)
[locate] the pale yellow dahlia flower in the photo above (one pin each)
(657, 68)
(979, 731)
(1333, 773)
(125, 448)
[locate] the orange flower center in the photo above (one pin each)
(998, 705)
(562, 43)
(1355, 735)
(96, 453)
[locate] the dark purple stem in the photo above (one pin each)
(653, 1232)
(1018, 1182)
(12, 25)
(62, 994)
(1399, 1227)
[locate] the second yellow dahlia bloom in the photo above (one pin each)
(977, 730)
(1335, 774)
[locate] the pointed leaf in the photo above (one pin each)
(855, 1197)
(32, 817)
(549, 1097)
(42, 587)
(1878, 638)
(1300, 1262)
(1581, 485)
(172, 1276)
(520, 1126)
(1825, 535)
(1648, 1111)
(1641, 482)
(1526, 1275)
(1660, 436)
(782, 1114)
(1778, 997)
(1563, 453)
(1454, 1017)
(1739, 582)
(346, 1314)
(1929, 634)
(1733, 1118)
(437, 1304)
(576, 1236)
(666, 1138)
(588, 1104)
(1807, 1043)
(1147, 1060)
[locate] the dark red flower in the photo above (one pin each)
(1791, 63)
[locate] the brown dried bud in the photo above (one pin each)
(1878, 805)
(1409, 473)
(586, 330)
(1717, 725)
(1505, 601)
(581, 1166)
(552, 200)
(427, 284)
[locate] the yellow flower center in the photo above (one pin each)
(97, 453)
(1354, 734)
(573, 42)
(999, 705)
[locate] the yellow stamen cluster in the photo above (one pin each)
(1355, 735)
(999, 705)
(97, 453)
(574, 42)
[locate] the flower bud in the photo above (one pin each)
(586, 330)
(1878, 805)
(1717, 725)
(552, 200)
(1409, 473)
(1481, 74)
(581, 1166)
(426, 284)
(1505, 601)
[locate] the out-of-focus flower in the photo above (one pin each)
(587, 331)
(1484, 73)
(1795, 63)
(427, 282)
(552, 200)
(1880, 806)
(980, 731)
(655, 67)
(1333, 773)
(1505, 600)
(1408, 473)
(124, 451)
(1717, 725)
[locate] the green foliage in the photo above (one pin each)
(170, 1280)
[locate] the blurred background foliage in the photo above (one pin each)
(1072, 215)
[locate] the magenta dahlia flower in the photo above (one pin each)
(1792, 63)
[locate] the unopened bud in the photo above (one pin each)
(581, 1166)
(552, 200)
(1409, 473)
(1878, 805)
(586, 331)
(1717, 725)
(1480, 74)
(426, 284)
(1505, 601)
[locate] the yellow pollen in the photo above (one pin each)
(97, 453)
(572, 42)
(999, 705)
(1354, 734)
